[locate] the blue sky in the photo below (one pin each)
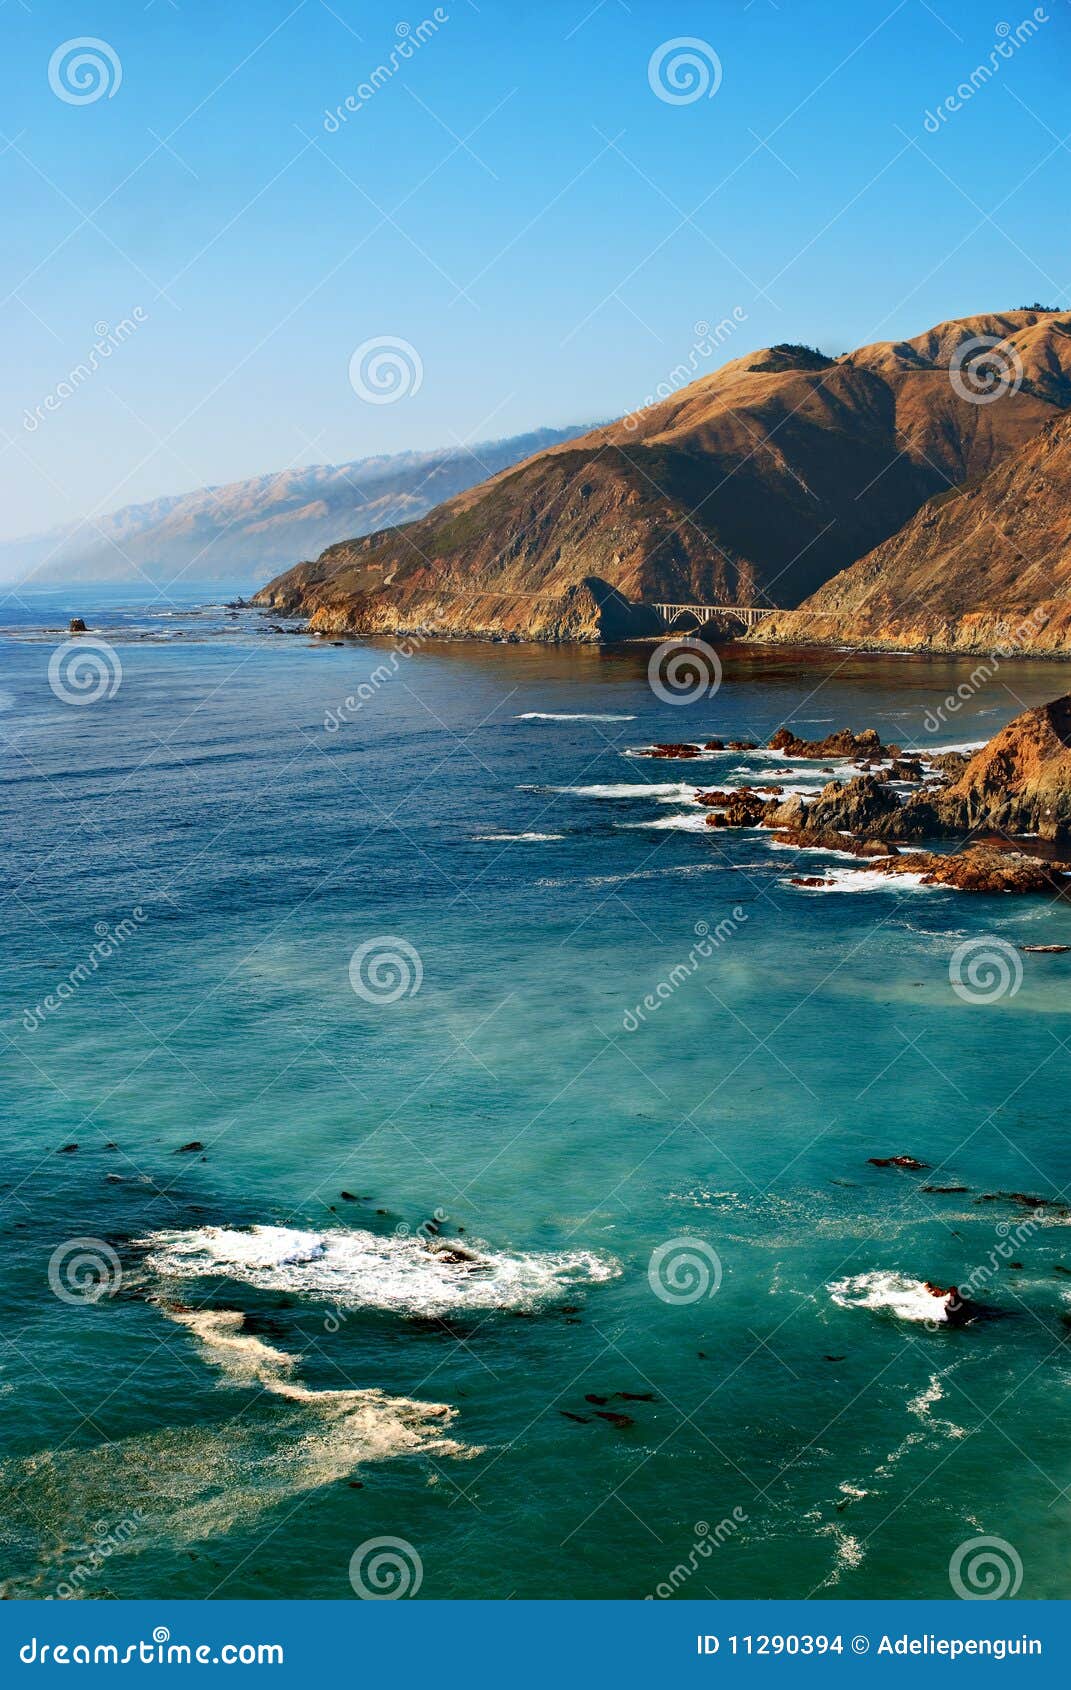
(515, 201)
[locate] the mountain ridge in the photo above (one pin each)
(754, 484)
(244, 528)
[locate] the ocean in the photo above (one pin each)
(530, 1245)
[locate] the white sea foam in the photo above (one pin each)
(245, 1359)
(570, 716)
(196, 1482)
(920, 1406)
(359, 1269)
(685, 822)
(967, 745)
(849, 1552)
(624, 789)
(514, 838)
(895, 1293)
(860, 880)
(643, 874)
(811, 850)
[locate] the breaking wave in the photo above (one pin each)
(893, 1293)
(570, 716)
(860, 880)
(625, 789)
(400, 1275)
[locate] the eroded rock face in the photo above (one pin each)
(861, 806)
(1021, 781)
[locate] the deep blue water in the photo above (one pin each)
(232, 854)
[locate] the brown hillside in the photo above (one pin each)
(987, 568)
(752, 485)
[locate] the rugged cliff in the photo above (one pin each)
(752, 485)
(985, 568)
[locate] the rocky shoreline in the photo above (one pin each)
(1015, 787)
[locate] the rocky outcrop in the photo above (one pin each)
(753, 485)
(981, 868)
(1021, 781)
(843, 743)
(986, 568)
(861, 806)
(1017, 784)
(744, 809)
(812, 839)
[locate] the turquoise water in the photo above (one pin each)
(243, 1412)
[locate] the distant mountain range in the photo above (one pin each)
(241, 532)
(754, 485)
